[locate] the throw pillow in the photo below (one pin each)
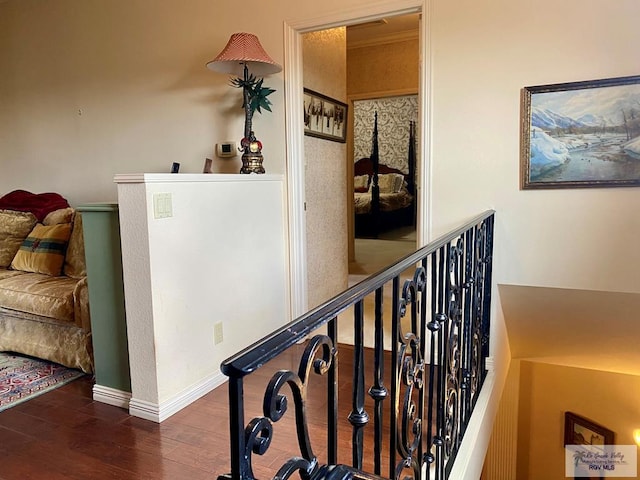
(62, 215)
(14, 228)
(399, 183)
(361, 183)
(74, 261)
(387, 182)
(43, 250)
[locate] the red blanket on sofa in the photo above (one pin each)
(39, 204)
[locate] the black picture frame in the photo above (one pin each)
(324, 117)
(581, 134)
(582, 431)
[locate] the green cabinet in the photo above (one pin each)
(101, 228)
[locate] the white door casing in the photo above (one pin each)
(293, 31)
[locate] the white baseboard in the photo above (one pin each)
(159, 413)
(111, 396)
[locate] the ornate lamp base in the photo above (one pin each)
(252, 156)
(252, 163)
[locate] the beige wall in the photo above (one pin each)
(379, 69)
(324, 71)
(136, 72)
(483, 54)
(102, 87)
(547, 391)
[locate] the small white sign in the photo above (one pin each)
(600, 461)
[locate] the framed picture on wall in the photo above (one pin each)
(324, 117)
(589, 448)
(581, 431)
(581, 134)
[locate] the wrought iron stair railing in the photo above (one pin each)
(425, 370)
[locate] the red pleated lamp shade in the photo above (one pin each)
(244, 49)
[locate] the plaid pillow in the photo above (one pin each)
(43, 250)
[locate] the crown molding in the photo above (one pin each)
(385, 39)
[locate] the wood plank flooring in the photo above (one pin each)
(64, 434)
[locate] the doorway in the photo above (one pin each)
(295, 163)
(387, 234)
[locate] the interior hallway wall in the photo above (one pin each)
(324, 71)
(380, 68)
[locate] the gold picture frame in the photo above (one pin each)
(581, 134)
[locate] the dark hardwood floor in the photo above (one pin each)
(65, 435)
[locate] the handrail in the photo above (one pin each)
(257, 354)
(423, 389)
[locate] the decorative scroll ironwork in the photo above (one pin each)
(259, 431)
(410, 371)
(439, 332)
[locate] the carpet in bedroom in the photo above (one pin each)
(23, 378)
(372, 255)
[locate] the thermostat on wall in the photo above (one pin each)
(226, 149)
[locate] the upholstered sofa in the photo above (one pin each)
(44, 301)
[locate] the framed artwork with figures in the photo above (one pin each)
(324, 117)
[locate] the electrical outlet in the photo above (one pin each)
(217, 333)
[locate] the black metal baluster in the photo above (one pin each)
(378, 391)
(394, 407)
(358, 416)
(240, 467)
(442, 358)
(445, 352)
(476, 315)
(488, 262)
(419, 313)
(455, 342)
(466, 358)
(482, 299)
(481, 237)
(332, 396)
(433, 326)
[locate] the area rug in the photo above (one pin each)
(22, 378)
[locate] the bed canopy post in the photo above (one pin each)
(412, 158)
(375, 188)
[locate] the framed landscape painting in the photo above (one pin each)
(581, 134)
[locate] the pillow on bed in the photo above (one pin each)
(390, 182)
(360, 183)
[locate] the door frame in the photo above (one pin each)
(295, 187)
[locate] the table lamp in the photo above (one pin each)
(242, 53)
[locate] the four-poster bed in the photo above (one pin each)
(384, 197)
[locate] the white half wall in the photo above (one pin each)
(219, 257)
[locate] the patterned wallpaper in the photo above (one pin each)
(394, 115)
